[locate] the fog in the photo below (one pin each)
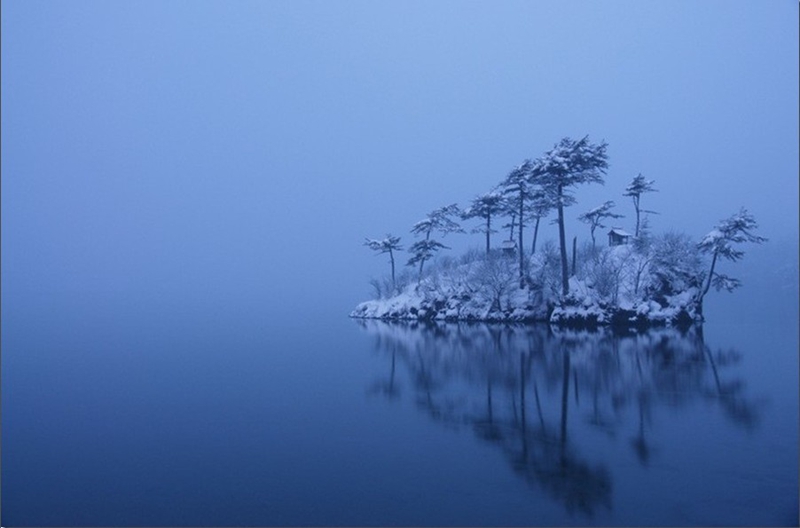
(209, 152)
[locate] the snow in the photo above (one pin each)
(488, 290)
(620, 232)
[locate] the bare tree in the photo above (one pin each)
(495, 277)
(676, 264)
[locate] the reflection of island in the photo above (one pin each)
(516, 386)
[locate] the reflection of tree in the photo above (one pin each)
(729, 393)
(388, 388)
(512, 386)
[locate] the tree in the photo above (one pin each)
(519, 189)
(636, 189)
(495, 277)
(540, 205)
(439, 220)
(736, 229)
(676, 265)
(485, 206)
(596, 216)
(389, 245)
(423, 250)
(567, 164)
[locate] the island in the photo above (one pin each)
(638, 280)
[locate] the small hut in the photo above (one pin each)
(618, 237)
(509, 248)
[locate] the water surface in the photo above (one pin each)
(229, 414)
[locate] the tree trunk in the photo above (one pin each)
(521, 253)
(563, 242)
(535, 235)
(636, 206)
(574, 252)
(391, 258)
(422, 261)
(710, 275)
(488, 230)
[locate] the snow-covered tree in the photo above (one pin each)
(423, 250)
(389, 245)
(635, 190)
(568, 164)
(736, 229)
(596, 216)
(518, 188)
(540, 205)
(676, 264)
(495, 278)
(439, 220)
(485, 206)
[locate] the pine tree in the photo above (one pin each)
(540, 205)
(568, 164)
(518, 188)
(389, 245)
(736, 229)
(485, 206)
(635, 190)
(596, 216)
(439, 220)
(423, 250)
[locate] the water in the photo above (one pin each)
(228, 414)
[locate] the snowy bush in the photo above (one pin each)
(676, 265)
(604, 273)
(546, 270)
(496, 277)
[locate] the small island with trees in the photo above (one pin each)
(638, 279)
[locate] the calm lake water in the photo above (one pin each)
(126, 413)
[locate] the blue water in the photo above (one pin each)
(120, 413)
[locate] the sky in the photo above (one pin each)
(194, 151)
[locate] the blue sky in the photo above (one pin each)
(206, 150)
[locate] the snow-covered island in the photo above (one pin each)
(638, 279)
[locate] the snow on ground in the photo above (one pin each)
(608, 290)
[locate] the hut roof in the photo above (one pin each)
(619, 232)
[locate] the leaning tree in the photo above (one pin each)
(568, 164)
(719, 243)
(389, 245)
(439, 220)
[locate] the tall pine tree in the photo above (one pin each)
(568, 164)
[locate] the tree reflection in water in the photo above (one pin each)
(512, 385)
